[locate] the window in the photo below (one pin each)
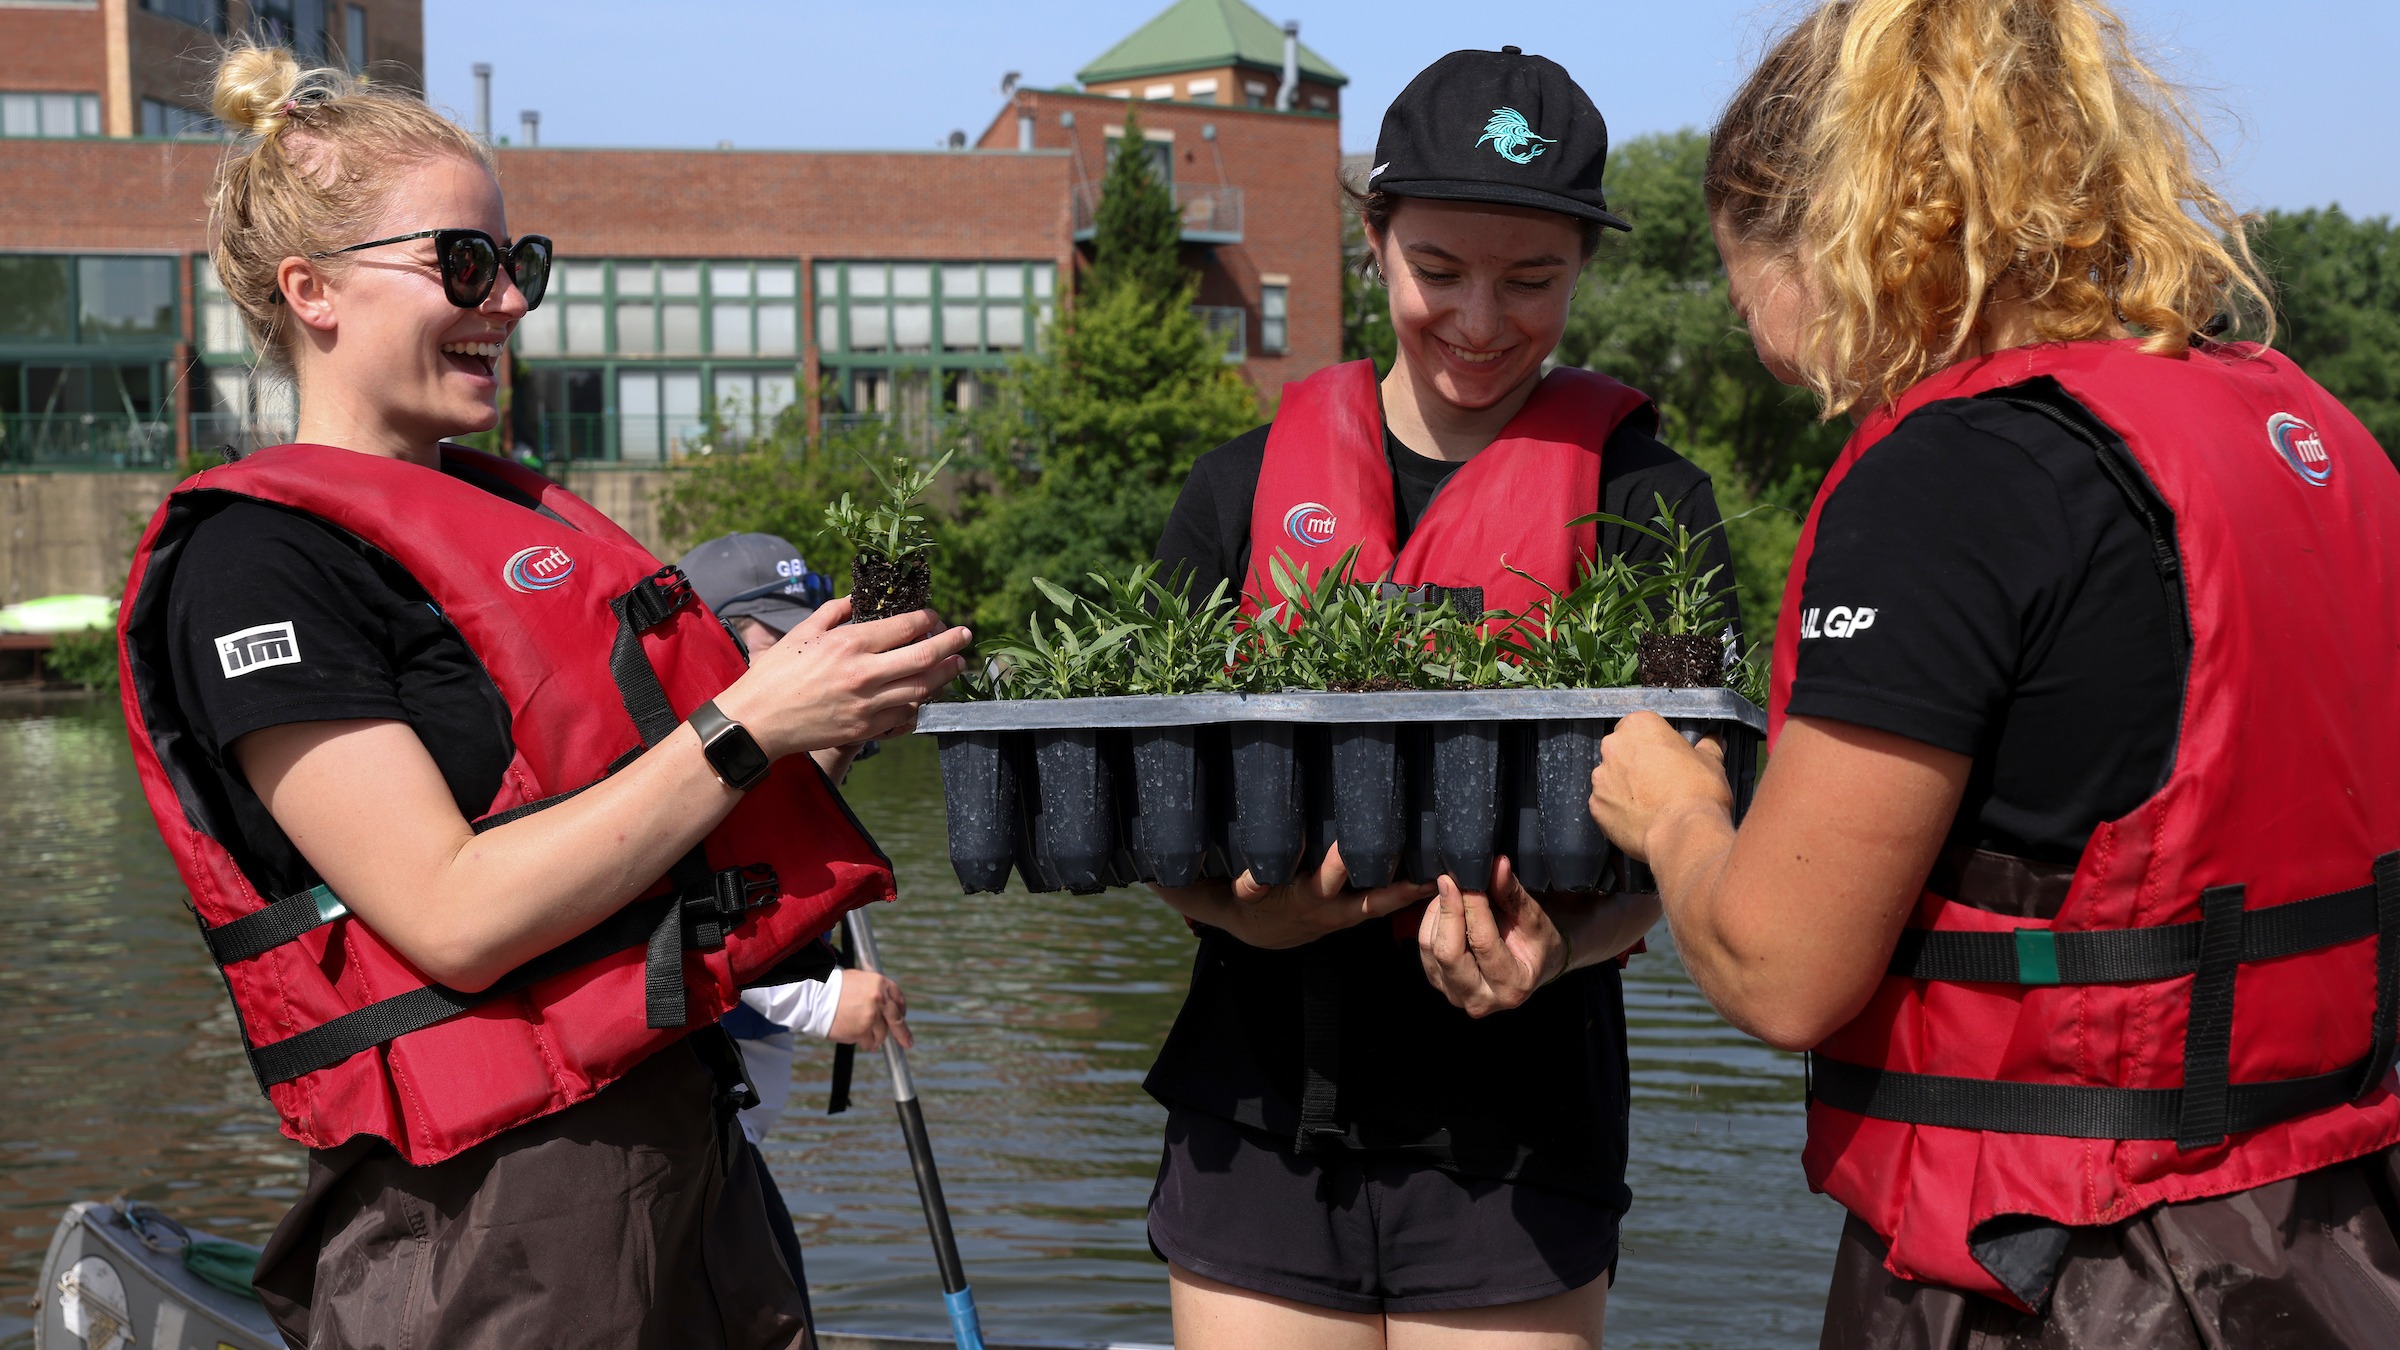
(894, 307)
(168, 121)
(1274, 314)
(221, 331)
(631, 308)
(125, 299)
(208, 14)
(297, 24)
(354, 38)
(36, 298)
(1201, 91)
(1254, 94)
(51, 116)
(658, 413)
(1158, 91)
(1160, 149)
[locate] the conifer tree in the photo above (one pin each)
(1137, 233)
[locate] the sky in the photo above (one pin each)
(2296, 94)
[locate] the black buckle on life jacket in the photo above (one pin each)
(657, 598)
(733, 892)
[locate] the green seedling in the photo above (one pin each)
(891, 529)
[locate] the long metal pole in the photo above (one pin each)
(965, 1327)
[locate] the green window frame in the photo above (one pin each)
(93, 300)
(912, 311)
(675, 309)
(48, 115)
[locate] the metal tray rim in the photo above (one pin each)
(1430, 705)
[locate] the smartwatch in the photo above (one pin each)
(732, 752)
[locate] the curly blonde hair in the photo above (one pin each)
(1918, 159)
(317, 152)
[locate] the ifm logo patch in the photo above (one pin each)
(1512, 137)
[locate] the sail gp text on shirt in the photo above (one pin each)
(1839, 622)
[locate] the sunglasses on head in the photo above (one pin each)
(470, 263)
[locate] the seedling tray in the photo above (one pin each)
(1082, 794)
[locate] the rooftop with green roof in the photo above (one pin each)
(1198, 34)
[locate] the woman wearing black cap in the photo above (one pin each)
(1443, 1151)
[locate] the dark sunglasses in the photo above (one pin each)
(470, 262)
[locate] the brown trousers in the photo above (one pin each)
(631, 1221)
(2305, 1264)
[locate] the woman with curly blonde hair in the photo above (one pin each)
(2077, 868)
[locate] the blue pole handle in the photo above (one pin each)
(965, 1327)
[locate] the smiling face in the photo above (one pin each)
(383, 358)
(1478, 293)
(1767, 290)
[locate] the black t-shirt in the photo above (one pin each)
(275, 617)
(1208, 532)
(1537, 1094)
(2018, 618)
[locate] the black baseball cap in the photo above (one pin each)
(1499, 127)
(755, 576)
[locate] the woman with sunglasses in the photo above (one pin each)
(413, 722)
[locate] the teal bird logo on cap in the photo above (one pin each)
(1511, 137)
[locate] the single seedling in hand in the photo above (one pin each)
(891, 568)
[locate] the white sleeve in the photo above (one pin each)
(806, 1007)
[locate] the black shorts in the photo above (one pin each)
(1364, 1232)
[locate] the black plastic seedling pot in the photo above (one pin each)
(1170, 822)
(979, 791)
(1077, 837)
(1369, 807)
(1083, 794)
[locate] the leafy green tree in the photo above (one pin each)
(1651, 310)
(1133, 390)
(2337, 287)
(1366, 307)
(1137, 235)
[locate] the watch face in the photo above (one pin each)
(737, 758)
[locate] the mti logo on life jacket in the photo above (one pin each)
(1310, 523)
(538, 568)
(2301, 447)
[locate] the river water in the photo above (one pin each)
(1035, 1019)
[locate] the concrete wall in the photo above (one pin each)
(73, 533)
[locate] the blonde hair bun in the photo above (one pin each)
(253, 86)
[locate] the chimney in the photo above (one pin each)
(529, 128)
(1289, 95)
(1024, 128)
(483, 101)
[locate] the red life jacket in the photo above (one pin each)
(599, 652)
(1326, 487)
(2214, 1006)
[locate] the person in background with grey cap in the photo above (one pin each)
(1397, 1114)
(761, 587)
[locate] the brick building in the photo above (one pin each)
(691, 283)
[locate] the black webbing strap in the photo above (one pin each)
(2133, 955)
(281, 922)
(2060, 1108)
(708, 905)
(650, 603)
(499, 818)
(2387, 975)
(330, 1043)
(1320, 1048)
(2208, 1036)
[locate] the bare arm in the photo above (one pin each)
(364, 802)
(1787, 925)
